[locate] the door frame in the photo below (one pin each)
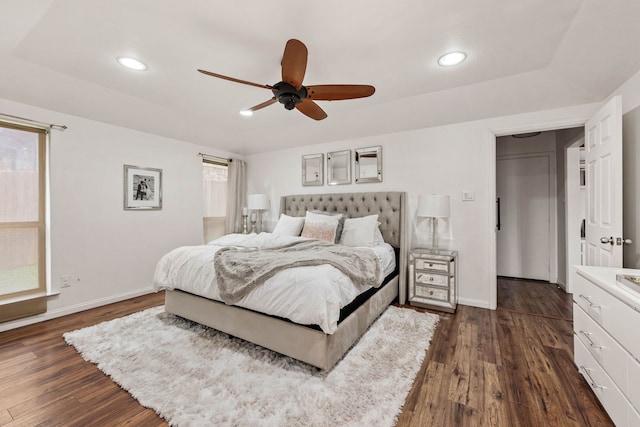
(550, 156)
(491, 201)
(573, 196)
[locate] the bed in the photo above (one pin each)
(310, 343)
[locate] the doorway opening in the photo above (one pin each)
(537, 205)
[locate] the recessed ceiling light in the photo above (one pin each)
(132, 63)
(452, 58)
(246, 113)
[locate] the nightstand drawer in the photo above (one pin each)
(432, 279)
(424, 264)
(432, 293)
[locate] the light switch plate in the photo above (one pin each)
(467, 195)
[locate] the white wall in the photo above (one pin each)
(109, 252)
(442, 160)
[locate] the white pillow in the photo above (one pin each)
(323, 227)
(289, 225)
(360, 231)
(377, 236)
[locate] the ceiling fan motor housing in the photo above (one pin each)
(288, 95)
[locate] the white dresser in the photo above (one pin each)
(606, 325)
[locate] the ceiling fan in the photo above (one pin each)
(292, 94)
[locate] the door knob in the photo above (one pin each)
(607, 240)
(620, 241)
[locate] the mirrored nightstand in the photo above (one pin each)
(432, 279)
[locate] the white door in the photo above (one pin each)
(522, 186)
(603, 162)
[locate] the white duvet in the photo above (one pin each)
(304, 295)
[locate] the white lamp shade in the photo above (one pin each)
(433, 206)
(258, 201)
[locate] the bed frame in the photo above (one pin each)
(297, 341)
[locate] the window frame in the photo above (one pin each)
(19, 300)
(217, 162)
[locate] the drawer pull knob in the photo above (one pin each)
(587, 335)
(591, 381)
(431, 279)
(588, 300)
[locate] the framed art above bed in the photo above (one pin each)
(368, 164)
(313, 169)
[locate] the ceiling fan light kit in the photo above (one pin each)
(292, 94)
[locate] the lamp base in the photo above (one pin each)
(245, 225)
(434, 234)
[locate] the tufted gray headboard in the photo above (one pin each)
(390, 207)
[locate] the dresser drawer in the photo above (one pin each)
(428, 264)
(633, 383)
(590, 297)
(616, 317)
(432, 279)
(432, 293)
(603, 348)
(603, 387)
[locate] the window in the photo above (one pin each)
(22, 221)
(214, 185)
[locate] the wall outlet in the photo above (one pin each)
(65, 281)
(467, 196)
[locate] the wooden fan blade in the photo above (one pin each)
(311, 109)
(337, 92)
(294, 63)
(264, 104)
(220, 76)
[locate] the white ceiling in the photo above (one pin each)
(523, 55)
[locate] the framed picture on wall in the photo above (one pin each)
(142, 188)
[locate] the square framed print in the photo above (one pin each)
(142, 188)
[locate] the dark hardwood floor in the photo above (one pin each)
(45, 382)
(509, 367)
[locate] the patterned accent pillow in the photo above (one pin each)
(324, 227)
(341, 218)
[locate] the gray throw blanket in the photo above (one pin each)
(239, 271)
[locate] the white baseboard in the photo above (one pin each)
(474, 302)
(74, 309)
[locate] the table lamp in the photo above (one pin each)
(433, 206)
(257, 202)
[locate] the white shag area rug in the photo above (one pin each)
(195, 376)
